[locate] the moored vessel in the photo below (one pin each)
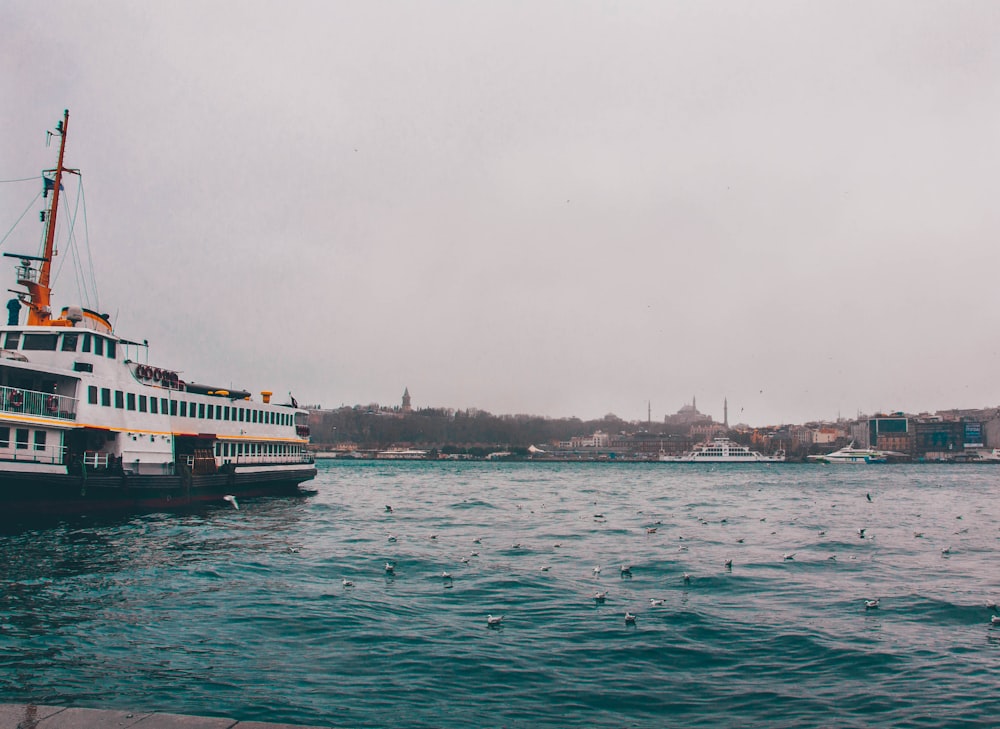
(851, 455)
(723, 450)
(88, 423)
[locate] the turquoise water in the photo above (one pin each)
(244, 614)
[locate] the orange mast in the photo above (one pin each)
(39, 292)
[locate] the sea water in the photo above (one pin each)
(244, 613)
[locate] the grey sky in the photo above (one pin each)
(560, 208)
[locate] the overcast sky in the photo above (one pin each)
(557, 208)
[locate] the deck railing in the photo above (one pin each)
(32, 402)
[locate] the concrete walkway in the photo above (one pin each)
(31, 716)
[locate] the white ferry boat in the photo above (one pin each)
(850, 454)
(88, 423)
(723, 450)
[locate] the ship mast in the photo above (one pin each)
(39, 291)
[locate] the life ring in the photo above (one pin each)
(140, 371)
(15, 398)
(52, 404)
(157, 374)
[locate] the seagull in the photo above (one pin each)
(597, 570)
(651, 530)
(946, 550)
(446, 575)
(629, 618)
(729, 564)
(232, 500)
(871, 604)
(390, 568)
(656, 603)
(687, 578)
(388, 509)
(477, 540)
(788, 555)
(347, 583)
(626, 570)
(544, 569)
(494, 622)
(600, 596)
(861, 533)
(995, 620)
(392, 537)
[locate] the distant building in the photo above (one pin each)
(688, 415)
(597, 440)
(406, 400)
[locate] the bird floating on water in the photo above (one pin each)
(655, 602)
(687, 578)
(788, 555)
(446, 575)
(729, 564)
(600, 596)
(494, 621)
(232, 500)
(995, 620)
(390, 568)
(861, 533)
(946, 550)
(869, 496)
(392, 538)
(651, 530)
(597, 570)
(347, 583)
(626, 570)
(871, 604)
(388, 508)
(629, 618)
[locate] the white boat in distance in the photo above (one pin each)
(723, 450)
(850, 454)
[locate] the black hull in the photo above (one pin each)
(33, 495)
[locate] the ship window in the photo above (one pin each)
(22, 438)
(225, 415)
(39, 440)
(210, 414)
(142, 403)
(5, 437)
(111, 349)
(106, 397)
(70, 340)
(184, 409)
(46, 342)
(131, 401)
(201, 410)
(92, 394)
(241, 414)
(99, 345)
(13, 339)
(173, 407)
(153, 405)
(86, 343)
(119, 399)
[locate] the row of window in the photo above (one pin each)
(65, 342)
(182, 408)
(225, 449)
(21, 439)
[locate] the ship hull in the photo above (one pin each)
(26, 494)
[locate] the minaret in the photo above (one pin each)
(725, 412)
(406, 400)
(649, 413)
